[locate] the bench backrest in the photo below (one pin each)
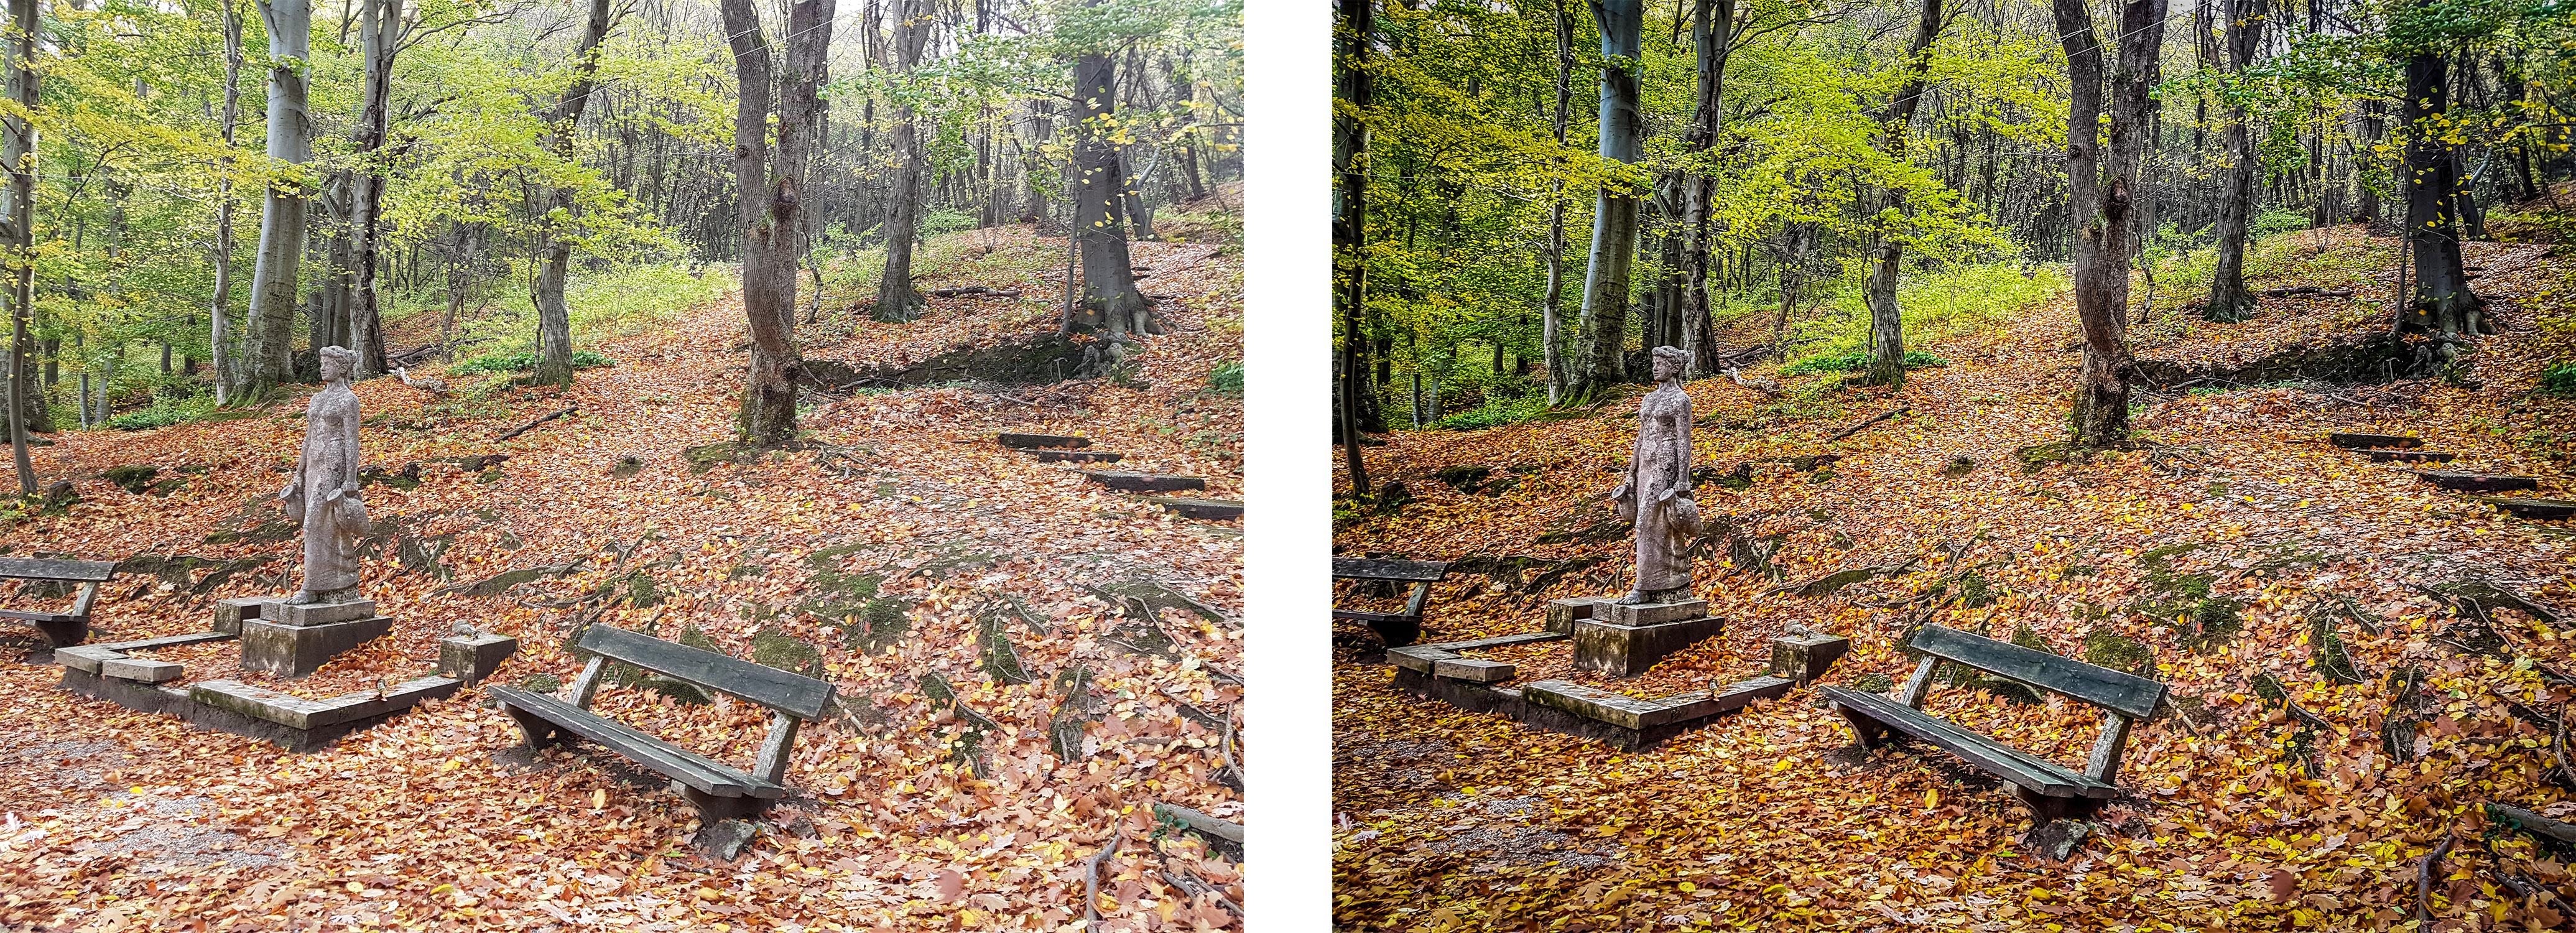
(794, 694)
(1408, 571)
(72, 571)
(2129, 694)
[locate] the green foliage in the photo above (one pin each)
(1846, 362)
(523, 362)
(1496, 413)
(2559, 379)
(1953, 302)
(1226, 379)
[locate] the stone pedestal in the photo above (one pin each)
(292, 651)
(229, 613)
(311, 614)
(1563, 613)
(471, 658)
(1624, 641)
(1805, 656)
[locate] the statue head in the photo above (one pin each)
(1669, 363)
(338, 363)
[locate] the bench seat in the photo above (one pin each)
(63, 629)
(2023, 769)
(1397, 629)
(699, 772)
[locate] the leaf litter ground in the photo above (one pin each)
(935, 799)
(2217, 549)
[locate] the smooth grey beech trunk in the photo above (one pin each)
(769, 185)
(2228, 299)
(554, 316)
(1110, 303)
(379, 35)
(18, 158)
(2099, 182)
(1614, 219)
(276, 275)
(1712, 27)
(224, 341)
(1878, 293)
(897, 300)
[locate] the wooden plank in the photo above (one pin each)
(1409, 571)
(2365, 441)
(1359, 616)
(2100, 686)
(680, 764)
(75, 571)
(24, 615)
(2012, 764)
(757, 683)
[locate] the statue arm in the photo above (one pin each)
(350, 458)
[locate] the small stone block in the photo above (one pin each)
(292, 651)
(1416, 658)
(1615, 613)
(1475, 670)
(229, 613)
(319, 613)
(85, 658)
(472, 659)
(1629, 650)
(1805, 658)
(143, 669)
(1561, 613)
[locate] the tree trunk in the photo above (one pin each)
(1886, 319)
(2228, 299)
(2441, 305)
(554, 315)
(768, 186)
(1614, 222)
(1712, 25)
(1551, 312)
(897, 301)
(18, 158)
(2099, 181)
(275, 278)
(1110, 302)
(1350, 216)
(379, 37)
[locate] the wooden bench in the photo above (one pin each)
(62, 628)
(2051, 791)
(1398, 628)
(719, 792)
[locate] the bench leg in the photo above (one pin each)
(536, 729)
(713, 809)
(1867, 730)
(1398, 633)
(2045, 809)
(64, 634)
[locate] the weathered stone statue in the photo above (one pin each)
(322, 494)
(1657, 495)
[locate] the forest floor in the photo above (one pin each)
(2236, 543)
(901, 555)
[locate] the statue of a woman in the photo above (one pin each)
(1657, 495)
(322, 494)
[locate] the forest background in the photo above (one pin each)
(1851, 178)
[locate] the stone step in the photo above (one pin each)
(1144, 482)
(2547, 510)
(1041, 440)
(1051, 455)
(2408, 456)
(1202, 509)
(1498, 641)
(2477, 482)
(2359, 441)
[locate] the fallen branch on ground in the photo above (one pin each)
(1855, 429)
(2424, 879)
(1091, 884)
(525, 428)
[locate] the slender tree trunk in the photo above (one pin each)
(275, 279)
(1551, 307)
(2442, 304)
(554, 314)
(768, 188)
(2228, 298)
(897, 301)
(1110, 302)
(1886, 319)
(18, 158)
(379, 37)
(1712, 26)
(2100, 180)
(1615, 216)
(1350, 217)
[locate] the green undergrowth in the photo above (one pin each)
(619, 302)
(1858, 359)
(523, 362)
(1951, 302)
